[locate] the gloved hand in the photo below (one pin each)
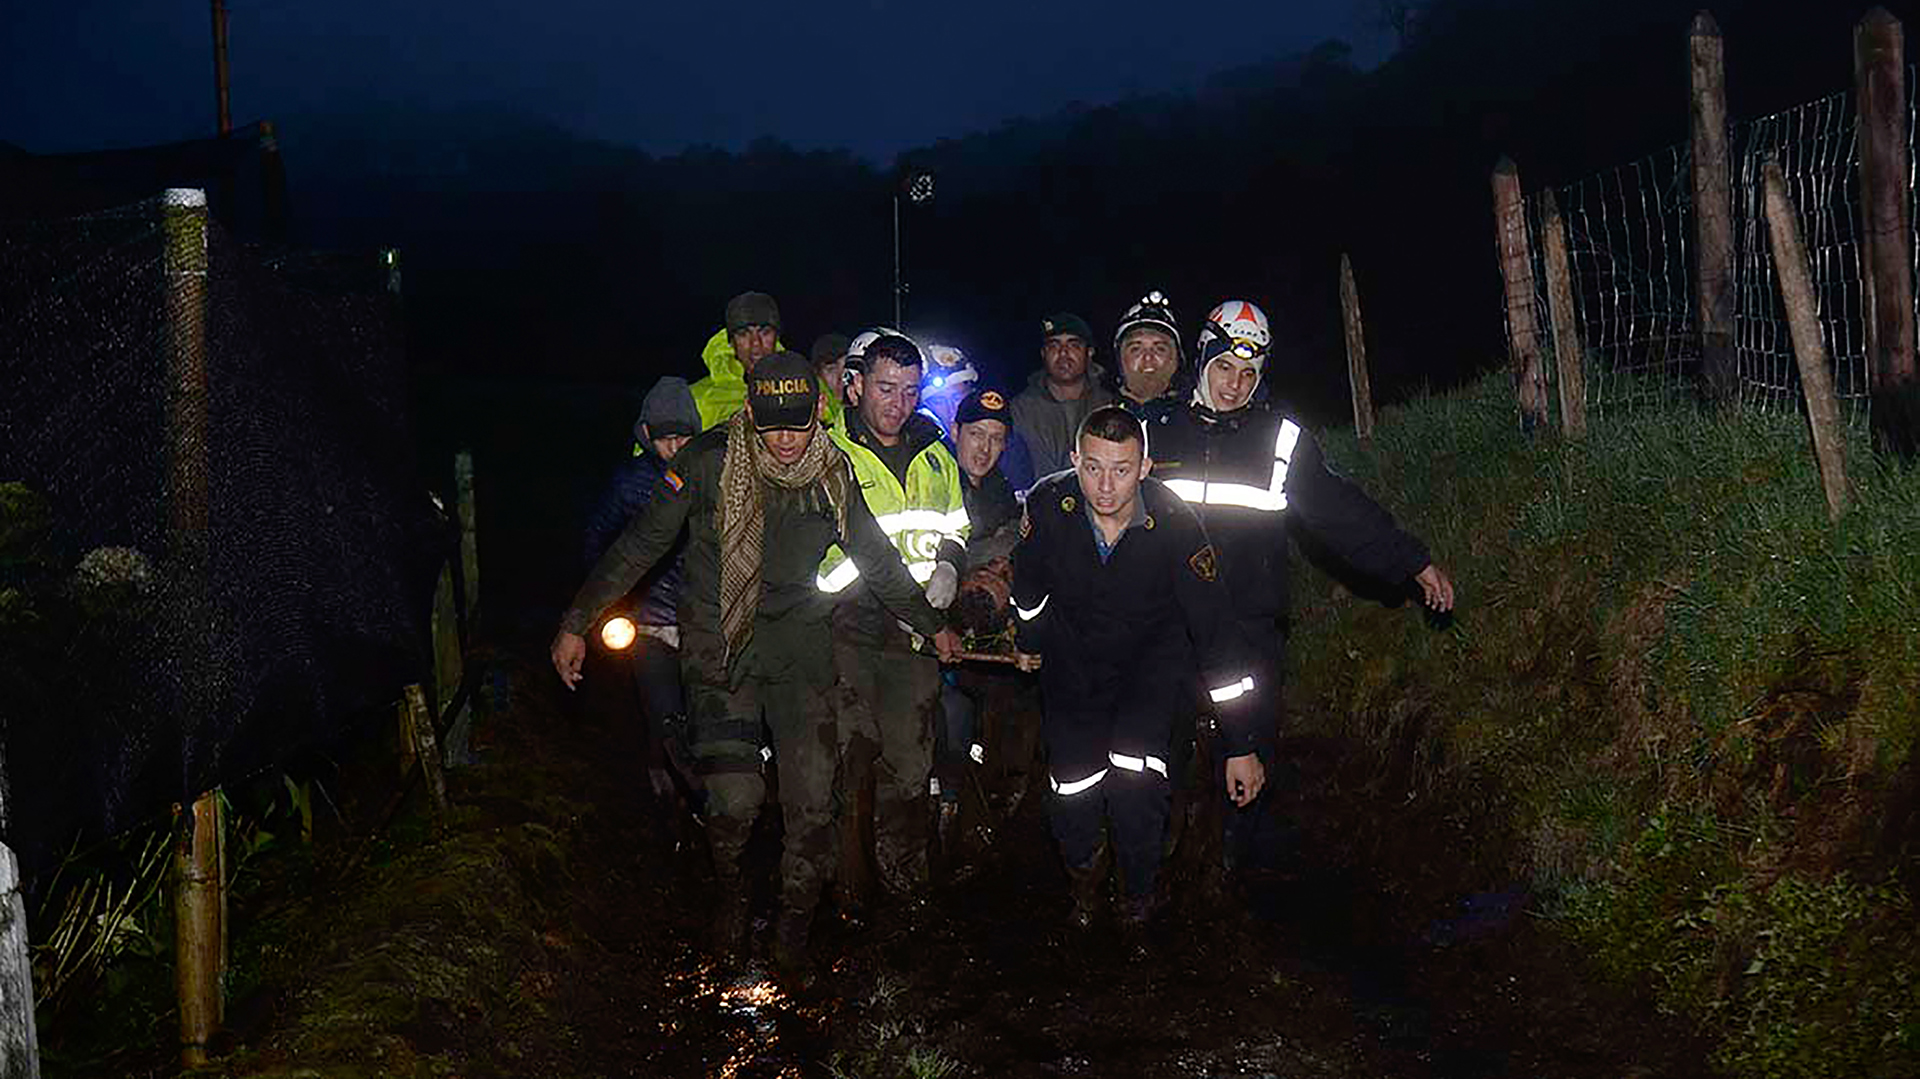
(943, 585)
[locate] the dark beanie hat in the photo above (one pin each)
(752, 309)
(783, 393)
(668, 409)
(829, 347)
(1065, 322)
(983, 405)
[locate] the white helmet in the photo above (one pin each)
(1239, 327)
(857, 351)
(947, 370)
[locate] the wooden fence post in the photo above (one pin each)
(426, 748)
(19, 1042)
(1516, 270)
(469, 540)
(199, 901)
(1809, 348)
(1356, 352)
(1880, 81)
(1566, 330)
(1712, 211)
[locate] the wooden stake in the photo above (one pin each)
(225, 114)
(1356, 352)
(198, 900)
(469, 540)
(448, 662)
(1809, 349)
(19, 1041)
(1712, 210)
(426, 748)
(1566, 330)
(1516, 270)
(1880, 80)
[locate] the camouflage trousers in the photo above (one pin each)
(886, 700)
(726, 735)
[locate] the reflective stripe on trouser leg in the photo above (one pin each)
(1137, 804)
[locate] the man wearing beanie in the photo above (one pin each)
(762, 497)
(1146, 348)
(668, 419)
(1254, 473)
(751, 334)
(829, 356)
(1067, 387)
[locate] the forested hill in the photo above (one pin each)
(530, 250)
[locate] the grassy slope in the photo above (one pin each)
(1693, 696)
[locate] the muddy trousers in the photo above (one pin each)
(727, 725)
(885, 700)
(1100, 784)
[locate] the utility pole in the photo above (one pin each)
(220, 66)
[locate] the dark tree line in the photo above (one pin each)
(528, 250)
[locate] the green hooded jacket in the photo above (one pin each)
(724, 391)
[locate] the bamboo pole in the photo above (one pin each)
(19, 1041)
(1809, 349)
(198, 901)
(1712, 210)
(426, 748)
(1566, 330)
(1356, 352)
(1880, 80)
(1516, 270)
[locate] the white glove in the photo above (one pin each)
(943, 585)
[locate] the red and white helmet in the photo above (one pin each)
(1239, 327)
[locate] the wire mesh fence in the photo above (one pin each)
(1630, 237)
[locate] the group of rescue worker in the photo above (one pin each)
(819, 540)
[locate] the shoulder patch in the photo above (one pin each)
(1202, 563)
(673, 479)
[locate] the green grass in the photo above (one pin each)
(1695, 694)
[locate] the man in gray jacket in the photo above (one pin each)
(1067, 387)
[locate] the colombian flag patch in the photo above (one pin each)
(672, 479)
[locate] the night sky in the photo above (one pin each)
(875, 76)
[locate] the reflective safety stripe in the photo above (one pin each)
(1269, 499)
(766, 753)
(933, 786)
(1232, 690)
(978, 752)
(1078, 785)
(1029, 614)
(844, 574)
(951, 523)
(1137, 764)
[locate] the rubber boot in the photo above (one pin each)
(1133, 916)
(730, 910)
(1088, 885)
(790, 941)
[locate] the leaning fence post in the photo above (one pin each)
(469, 539)
(1566, 331)
(1880, 80)
(1809, 348)
(426, 748)
(1712, 210)
(1516, 270)
(1356, 352)
(199, 899)
(19, 1043)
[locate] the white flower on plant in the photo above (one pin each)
(113, 567)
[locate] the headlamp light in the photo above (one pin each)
(618, 633)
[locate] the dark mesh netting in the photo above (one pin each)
(215, 550)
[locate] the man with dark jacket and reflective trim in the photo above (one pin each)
(1252, 472)
(1146, 353)
(762, 496)
(1115, 583)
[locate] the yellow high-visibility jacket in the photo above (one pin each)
(918, 516)
(724, 391)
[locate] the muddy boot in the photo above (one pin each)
(790, 942)
(730, 917)
(1134, 915)
(1088, 885)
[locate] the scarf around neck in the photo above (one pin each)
(742, 514)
